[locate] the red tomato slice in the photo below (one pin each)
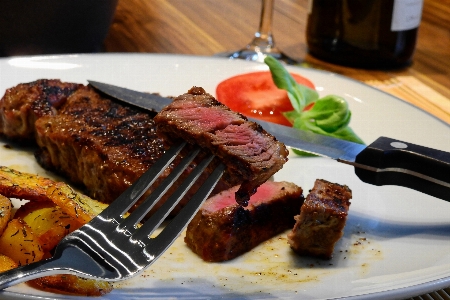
(255, 95)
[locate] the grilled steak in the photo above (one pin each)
(98, 143)
(223, 230)
(23, 104)
(92, 140)
(250, 154)
(322, 219)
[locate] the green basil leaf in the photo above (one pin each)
(299, 95)
(329, 113)
(346, 133)
(291, 116)
(302, 153)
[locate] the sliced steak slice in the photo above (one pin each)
(322, 220)
(250, 154)
(223, 230)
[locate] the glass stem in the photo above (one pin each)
(262, 43)
(263, 39)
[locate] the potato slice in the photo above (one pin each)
(19, 243)
(31, 206)
(48, 222)
(15, 184)
(54, 210)
(79, 206)
(70, 284)
(36, 188)
(6, 263)
(5, 212)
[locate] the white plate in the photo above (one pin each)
(396, 242)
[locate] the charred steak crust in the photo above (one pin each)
(223, 230)
(94, 141)
(250, 154)
(98, 143)
(23, 104)
(322, 220)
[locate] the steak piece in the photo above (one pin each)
(222, 229)
(322, 220)
(94, 141)
(98, 143)
(250, 154)
(23, 104)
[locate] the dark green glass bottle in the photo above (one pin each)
(376, 34)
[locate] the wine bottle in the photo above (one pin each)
(377, 34)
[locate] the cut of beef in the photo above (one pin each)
(223, 230)
(23, 104)
(322, 220)
(98, 143)
(94, 141)
(250, 154)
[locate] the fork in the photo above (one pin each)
(113, 246)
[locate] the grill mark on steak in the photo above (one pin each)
(23, 104)
(94, 141)
(222, 229)
(322, 220)
(250, 154)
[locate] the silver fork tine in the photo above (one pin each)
(136, 216)
(129, 197)
(160, 215)
(160, 243)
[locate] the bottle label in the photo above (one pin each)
(406, 14)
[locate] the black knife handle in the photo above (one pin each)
(391, 162)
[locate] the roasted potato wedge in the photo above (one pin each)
(54, 210)
(20, 185)
(79, 206)
(48, 222)
(15, 184)
(70, 284)
(19, 243)
(6, 263)
(31, 206)
(5, 212)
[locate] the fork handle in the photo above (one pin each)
(65, 261)
(28, 272)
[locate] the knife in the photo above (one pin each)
(384, 162)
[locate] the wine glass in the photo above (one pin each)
(263, 43)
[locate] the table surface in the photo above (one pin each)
(208, 27)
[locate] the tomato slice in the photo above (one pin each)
(255, 95)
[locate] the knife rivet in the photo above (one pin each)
(399, 145)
